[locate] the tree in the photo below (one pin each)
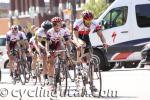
(96, 6)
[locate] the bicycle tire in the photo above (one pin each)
(22, 74)
(27, 71)
(64, 81)
(14, 77)
(38, 76)
(95, 79)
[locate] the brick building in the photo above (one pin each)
(28, 12)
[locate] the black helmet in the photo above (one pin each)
(19, 28)
(46, 25)
(63, 24)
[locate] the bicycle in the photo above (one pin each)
(22, 67)
(89, 74)
(62, 68)
(60, 76)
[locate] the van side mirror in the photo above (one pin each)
(104, 24)
(107, 24)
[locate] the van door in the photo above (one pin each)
(117, 32)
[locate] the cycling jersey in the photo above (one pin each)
(40, 33)
(54, 37)
(52, 34)
(13, 38)
(84, 31)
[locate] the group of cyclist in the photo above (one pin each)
(48, 37)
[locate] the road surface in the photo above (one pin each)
(121, 84)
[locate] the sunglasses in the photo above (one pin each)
(14, 29)
(56, 24)
(88, 22)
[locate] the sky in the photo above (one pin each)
(6, 1)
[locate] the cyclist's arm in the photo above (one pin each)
(49, 42)
(76, 35)
(99, 33)
(76, 41)
(7, 46)
(7, 43)
(36, 47)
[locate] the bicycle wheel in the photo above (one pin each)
(22, 73)
(95, 79)
(37, 76)
(27, 71)
(63, 80)
(14, 75)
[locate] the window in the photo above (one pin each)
(2, 41)
(116, 17)
(143, 15)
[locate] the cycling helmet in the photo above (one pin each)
(87, 14)
(56, 20)
(46, 25)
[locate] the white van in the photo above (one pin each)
(126, 29)
(3, 52)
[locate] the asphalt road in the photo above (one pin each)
(120, 84)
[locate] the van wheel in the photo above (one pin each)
(6, 64)
(99, 57)
(112, 64)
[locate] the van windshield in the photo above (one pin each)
(143, 15)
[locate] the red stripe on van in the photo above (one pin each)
(122, 55)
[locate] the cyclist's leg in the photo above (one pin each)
(33, 64)
(11, 65)
(29, 58)
(50, 68)
(88, 57)
(44, 60)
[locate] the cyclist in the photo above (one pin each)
(82, 28)
(54, 43)
(13, 38)
(24, 44)
(33, 49)
(41, 39)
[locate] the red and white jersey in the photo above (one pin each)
(14, 36)
(52, 34)
(84, 30)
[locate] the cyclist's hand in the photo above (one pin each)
(105, 45)
(78, 46)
